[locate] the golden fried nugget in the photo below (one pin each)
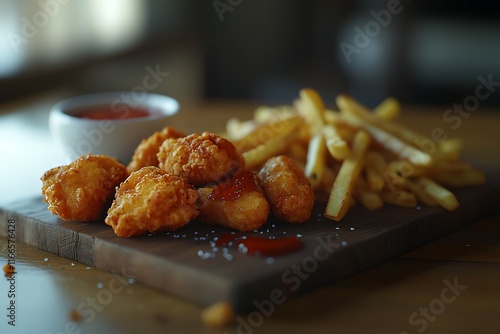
(287, 189)
(152, 200)
(145, 153)
(80, 190)
(201, 159)
(238, 203)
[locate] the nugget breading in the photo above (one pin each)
(145, 153)
(80, 190)
(238, 203)
(201, 159)
(287, 189)
(152, 200)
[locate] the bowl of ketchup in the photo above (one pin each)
(109, 123)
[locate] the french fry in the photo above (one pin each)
(443, 196)
(420, 193)
(392, 143)
(353, 108)
(313, 109)
(268, 132)
(374, 179)
(265, 114)
(399, 198)
(368, 199)
(315, 163)
(449, 149)
(337, 146)
(388, 110)
(258, 155)
(460, 178)
(345, 130)
(393, 181)
(404, 168)
(375, 167)
(332, 117)
(236, 129)
(341, 193)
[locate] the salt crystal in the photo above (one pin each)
(242, 248)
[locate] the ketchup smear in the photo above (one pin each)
(101, 113)
(231, 190)
(260, 246)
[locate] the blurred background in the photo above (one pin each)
(422, 52)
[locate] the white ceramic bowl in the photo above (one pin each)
(117, 137)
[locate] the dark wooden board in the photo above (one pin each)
(172, 262)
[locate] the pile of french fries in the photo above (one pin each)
(356, 155)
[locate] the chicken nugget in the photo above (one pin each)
(81, 189)
(238, 203)
(152, 200)
(201, 159)
(145, 153)
(288, 190)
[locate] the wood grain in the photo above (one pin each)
(170, 262)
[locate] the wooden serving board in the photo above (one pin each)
(184, 263)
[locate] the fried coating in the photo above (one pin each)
(80, 190)
(152, 200)
(287, 189)
(238, 204)
(145, 153)
(201, 159)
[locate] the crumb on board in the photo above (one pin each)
(218, 315)
(9, 269)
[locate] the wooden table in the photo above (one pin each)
(448, 286)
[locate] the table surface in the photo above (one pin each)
(447, 286)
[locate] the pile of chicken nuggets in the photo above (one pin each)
(175, 178)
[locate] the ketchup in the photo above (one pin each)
(260, 246)
(101, 113)
(231, 190)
